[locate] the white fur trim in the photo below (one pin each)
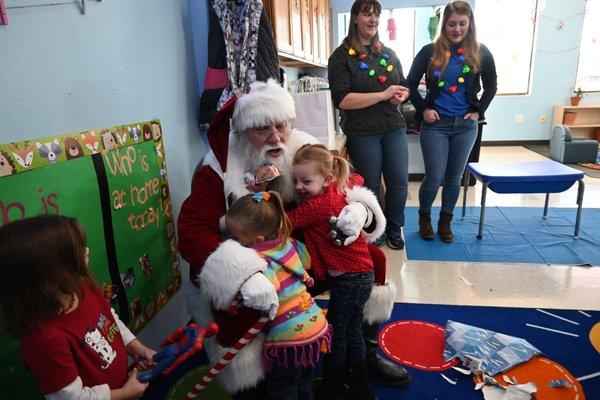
(266, 102)
(246, 369)
(198, 305)
(211, 160)
(364, 195)
(226, 269)
(379, 306)
(298, 139)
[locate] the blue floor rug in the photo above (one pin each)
(576, 354)
(510, 234)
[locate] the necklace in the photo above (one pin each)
(383, 63)
(465, 69)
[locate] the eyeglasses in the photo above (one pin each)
(283, 130)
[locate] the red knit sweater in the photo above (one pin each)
(312, 217)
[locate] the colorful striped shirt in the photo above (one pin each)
(299, 322)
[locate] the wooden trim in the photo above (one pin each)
(289, 60)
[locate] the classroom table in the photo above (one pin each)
(524, 177)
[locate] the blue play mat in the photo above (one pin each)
(511, 234)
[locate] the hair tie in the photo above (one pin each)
(260, 196)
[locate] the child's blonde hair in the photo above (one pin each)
(328, 163)
(40, 257)
(261, 214)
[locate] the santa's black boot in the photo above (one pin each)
(382, 371)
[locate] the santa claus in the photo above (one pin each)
(251, 131)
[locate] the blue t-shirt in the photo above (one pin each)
(453, 104)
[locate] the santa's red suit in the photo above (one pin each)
(219, 267)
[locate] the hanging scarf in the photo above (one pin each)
(240, 21)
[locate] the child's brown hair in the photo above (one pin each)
(261, 214)
(40, 257)
(329, 164)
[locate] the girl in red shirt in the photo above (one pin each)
(72, 342)
(320, 180)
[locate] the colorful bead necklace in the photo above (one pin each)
(383, 62)
(461, 79)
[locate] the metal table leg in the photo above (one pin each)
(546, 205)
(465, 188)
(580, 190)
(482, 215)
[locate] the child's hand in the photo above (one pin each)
(142, 355)
(133, 387)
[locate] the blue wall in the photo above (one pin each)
(124, 61)
(553, 70)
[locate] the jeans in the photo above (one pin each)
(385, 153)
(446, 145)
(349, 293)
(292, 383)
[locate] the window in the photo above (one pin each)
(507, 27)
(588, 67)
(510, 43)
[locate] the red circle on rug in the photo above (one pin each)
(418, 344)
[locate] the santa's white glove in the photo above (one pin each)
(259, 293)
(353, 218)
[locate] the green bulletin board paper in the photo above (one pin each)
(76, 175)
(67, 189)
(138, 215)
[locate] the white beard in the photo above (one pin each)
(252, 160)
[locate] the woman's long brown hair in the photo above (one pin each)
(441, 46)
(353, 40)
(40, 257)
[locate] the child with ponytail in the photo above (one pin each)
(320, 180)
(299, 329)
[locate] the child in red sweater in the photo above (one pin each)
(73, 343)
(320, 180)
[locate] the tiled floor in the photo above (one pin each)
(500, 284)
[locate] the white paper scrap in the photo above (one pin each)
(518, 392)
(448, 379)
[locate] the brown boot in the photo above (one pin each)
(425, 228)
(444, 229)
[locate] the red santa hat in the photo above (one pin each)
(265, 103)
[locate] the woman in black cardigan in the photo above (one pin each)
(367, 86)
(455, 66)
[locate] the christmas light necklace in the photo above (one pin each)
(461, 78)
(383, 62)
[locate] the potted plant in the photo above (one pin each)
(575, 100)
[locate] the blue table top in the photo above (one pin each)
(531, 171)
